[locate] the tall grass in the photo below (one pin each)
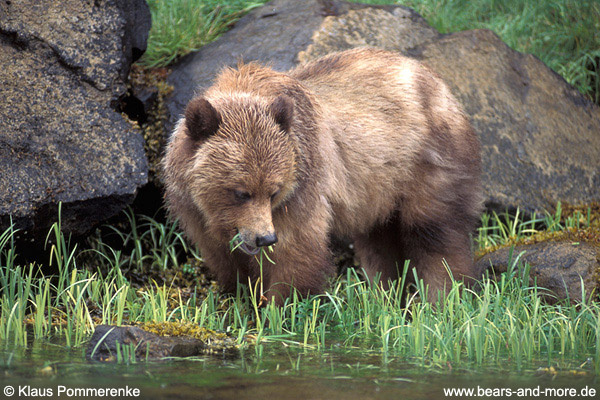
(505, 319)
(145, 245)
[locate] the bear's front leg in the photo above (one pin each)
(229, 268)
(303, 263)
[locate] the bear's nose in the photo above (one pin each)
(266, 240)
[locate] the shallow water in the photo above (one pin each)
(42, 369)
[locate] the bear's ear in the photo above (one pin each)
(282, 109)
(201, 119)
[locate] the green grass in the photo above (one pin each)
(565, 34)
(505, 320)
(182, 26)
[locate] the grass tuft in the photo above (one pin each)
(182, 26)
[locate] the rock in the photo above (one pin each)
(540, 137)
(394, 28)
(560, 267)
(65, 66)
(97, 40)
(138, 22)
(148, 346)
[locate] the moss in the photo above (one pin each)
(153, 130)
(587, 216)
(182, 329)
(191, 273)
(588, 235)
(216, 342)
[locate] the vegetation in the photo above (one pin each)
(506, 319)
(565, 34)
(182, 26)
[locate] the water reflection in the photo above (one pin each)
(281, 372)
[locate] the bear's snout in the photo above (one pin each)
(251, 243)
(266, 240)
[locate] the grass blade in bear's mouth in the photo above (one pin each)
(250, 250)
(237, 243)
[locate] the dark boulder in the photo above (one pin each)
(540, 137)
(65, 66)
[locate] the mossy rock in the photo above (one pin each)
(159, 340)
(560, 262)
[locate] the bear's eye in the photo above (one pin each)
(274, 194)
(241, 196)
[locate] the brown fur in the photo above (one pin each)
(363, 144)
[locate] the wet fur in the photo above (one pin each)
(364, 144)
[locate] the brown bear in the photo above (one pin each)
(363, 144)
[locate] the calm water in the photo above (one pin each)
(281, 373)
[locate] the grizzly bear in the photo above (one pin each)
(363, 144)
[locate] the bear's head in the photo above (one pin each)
(244, 163)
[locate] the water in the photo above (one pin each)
(40, 370)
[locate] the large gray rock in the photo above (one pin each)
(540, 137)
(64, 69)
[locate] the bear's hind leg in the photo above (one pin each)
(384, 249)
